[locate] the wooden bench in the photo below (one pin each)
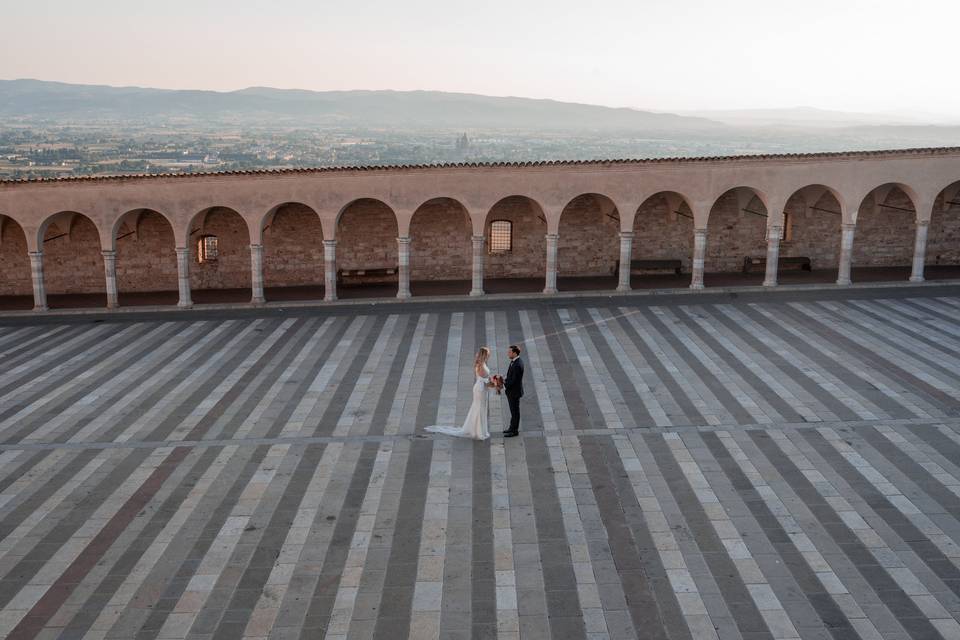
(784, 263)
(653, 265)
(359, 275)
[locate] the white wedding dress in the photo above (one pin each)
(475, 426)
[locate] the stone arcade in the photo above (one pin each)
(472, 223)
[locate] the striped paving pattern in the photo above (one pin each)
(783, 469)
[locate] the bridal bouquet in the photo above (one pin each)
(497, 383)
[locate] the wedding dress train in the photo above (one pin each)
(475, 425)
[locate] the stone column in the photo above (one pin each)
(403, 258)
(626, 253)
(477, 288)
(774, 234)
(919, 251)
(329, 270)
(846, 254)
(39, 288)
(256, 274)
(110, 269)
(551, 284)
(183, 277)
(699, 255)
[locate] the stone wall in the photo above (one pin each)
(528, 259)
(943, 239)
(367, 237)
(589, 243)
(884, 236)
(813, 231)
(661, 234)
(14, 261)
(231, 269)
(293, 248)
(734, 234)
(146, 255)
(440, 244)
(72, 262)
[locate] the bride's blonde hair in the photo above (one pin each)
(482, 356)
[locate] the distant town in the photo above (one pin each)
(60, 130)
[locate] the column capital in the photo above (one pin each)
(700, 232)
(553, 236)
(923, 223)
(626, 234)
(182, 250)
(254, 246)
(330, 243)
(403, 239)
(108, 253)
(848, 226)
(35, 254)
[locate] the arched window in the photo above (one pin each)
(207, 249)
(786, 235)
(501, 236)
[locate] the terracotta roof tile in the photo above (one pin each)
(478, 165)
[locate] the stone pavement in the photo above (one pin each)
(779, 466)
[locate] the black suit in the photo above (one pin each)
(513, 389)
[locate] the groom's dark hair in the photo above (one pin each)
(515, 349)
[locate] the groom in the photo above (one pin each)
(513, 388)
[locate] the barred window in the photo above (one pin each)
(207, 249)
(501, 236)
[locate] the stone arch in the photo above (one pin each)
(943, 236)
(14, 259)
(527, 257)
(231, 268)
(812, 222)
(72, 258)
(292, 237)
(663, 229)
(736, 229)
(440, 241)
(885, 227)
(145, 243)
(588, 242)
(367, 231)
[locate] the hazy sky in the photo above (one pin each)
(880, 55)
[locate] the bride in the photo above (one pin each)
(475, 425)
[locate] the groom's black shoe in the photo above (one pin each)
(510, 434)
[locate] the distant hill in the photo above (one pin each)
(409, 109)
(807, 117)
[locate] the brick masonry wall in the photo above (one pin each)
(589, 243)
(293, 248)
(231, 269)
(146, 259)
(884, 237)
(813, 234)
(661, 234)
(73, 263)
(14, 261)
(943, 239)
(529, 256)
(440, 244)
(367, 236)
(734, 234)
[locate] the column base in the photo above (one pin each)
(403, 295)
(768, 283)
(549, 289)
(696, 285)
(624, 287)
(844, 281)
(113, 305)
(258, 302)
(41, 308)
(476, 292)
(185, 305)
(916, 278)
(330, 298)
